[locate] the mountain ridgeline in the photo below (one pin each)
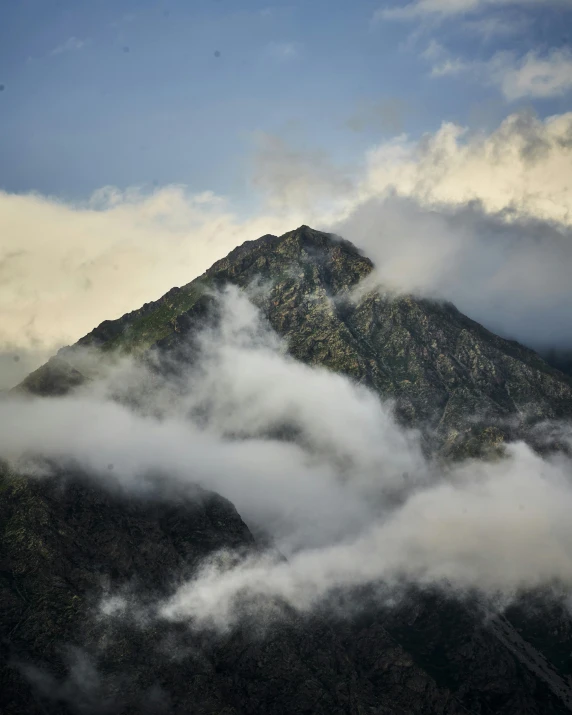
(439, 365)
(65, 541)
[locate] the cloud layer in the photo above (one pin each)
(65, 268)
(349, 499)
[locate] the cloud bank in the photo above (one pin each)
(64, 268)
(494, 529)
(349, 498)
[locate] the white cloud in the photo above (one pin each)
(72, 44)
(490, 528)
(511, 277)
(307, 493)
(64, 267)
(442, 62)
(523, 165)
(328, 499)
(534, 75)
(449, 67)
(483, 220)
(451, 8)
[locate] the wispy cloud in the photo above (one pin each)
(450, 8)
(496, 26)
(449, 67)
(442, 62)
(283, 50)
(533, 75)
(349, 501)
(72, 44)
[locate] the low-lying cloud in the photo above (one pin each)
(495, 529)
(512, 276)
(348, 497)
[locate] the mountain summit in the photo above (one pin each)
(65, 542)
(441, 367)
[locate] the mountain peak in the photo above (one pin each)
(290, 246)
(439, 366)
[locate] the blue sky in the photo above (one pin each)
(147, 93)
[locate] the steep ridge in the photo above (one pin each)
(441, 367)
(430, 654)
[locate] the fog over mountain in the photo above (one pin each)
(483, 221)
(286, 357)
(350, 494)
(377, 446)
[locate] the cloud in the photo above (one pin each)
(449, 67)
(283, 50)
(350, 499)
(243, 389)
(66, 267)
(89, 691)
(419, 9)
(533, 75)
(522, 165)
(494, 529)
(72, 44)
(296, 177)
(511, 277)
(483, 220)
(17, 362)
(492, 27)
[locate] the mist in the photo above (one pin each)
(348, 497)
(507, 272)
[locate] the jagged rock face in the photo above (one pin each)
(63, 541)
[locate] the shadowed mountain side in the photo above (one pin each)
(64, 542)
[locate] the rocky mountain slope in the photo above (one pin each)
(64, 542)
(440, 366)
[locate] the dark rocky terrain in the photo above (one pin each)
(64, 541)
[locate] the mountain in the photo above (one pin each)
(440, 366)
(65, 542)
